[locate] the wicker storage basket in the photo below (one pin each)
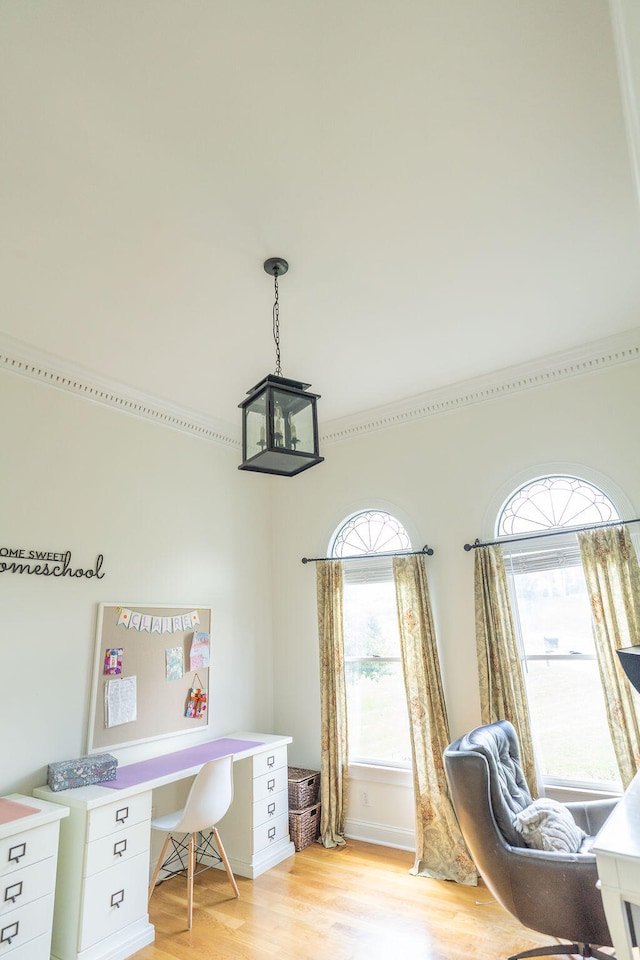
(304, 788)
(304, 826)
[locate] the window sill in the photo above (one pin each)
(395, 776)
(569, 794)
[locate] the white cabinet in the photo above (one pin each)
(255, 830)
(101, 896)
(28, 858)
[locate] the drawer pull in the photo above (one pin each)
(16, 853)
(271, 833)
(271, 809)
(9, 932)
(271, 785)
(13, 892)
(271, 761)
(122, 814)
(119, 847)
(117, 898)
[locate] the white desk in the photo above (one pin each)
(103, 875)
(617, 850)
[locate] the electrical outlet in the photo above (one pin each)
(365, 798)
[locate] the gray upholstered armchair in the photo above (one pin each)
(553, 893)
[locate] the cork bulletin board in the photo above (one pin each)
(143, 675)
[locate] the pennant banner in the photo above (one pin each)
(139, 621)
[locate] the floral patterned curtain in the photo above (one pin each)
(502, 690)
(612, 573)
(440, 850)
(333, 704)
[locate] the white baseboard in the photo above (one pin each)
(122, 944)
(380, 833)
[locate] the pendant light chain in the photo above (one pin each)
(276, 324)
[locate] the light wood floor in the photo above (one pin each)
(347, 904)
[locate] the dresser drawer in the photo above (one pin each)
(269, 833)
(37, 949)
(20, 926)
(270, 784)
(270, 760)
(270, 808)
(28, 846)
(116, 848)
(26, 884)
(113, 899)
(118, 815)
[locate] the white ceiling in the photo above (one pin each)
(449, 180)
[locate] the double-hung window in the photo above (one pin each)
(552, 618)
(378, 725)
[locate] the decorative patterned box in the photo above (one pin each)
(67, 774)
(304, 787)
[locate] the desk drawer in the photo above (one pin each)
(270, 784)
(117, 848)
(270, 808)
(23, 886)
(36, 949)
(113, 899)
(269, 760)
(25, 924)
(29, 846)
(269, 833)
(115, 816)
(628, 876)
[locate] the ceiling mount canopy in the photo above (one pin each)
(276, 266)
(279, 417)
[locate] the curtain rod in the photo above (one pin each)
(548, 533)
(367, 556)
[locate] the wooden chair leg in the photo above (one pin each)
(156, 872)
(227, 866)
(191, 869)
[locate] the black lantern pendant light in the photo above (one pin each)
(279, 418)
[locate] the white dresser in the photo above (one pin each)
(255, 830)
(102, 887)
(28, 860)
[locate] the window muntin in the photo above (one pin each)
(552, 617)
(377, 719)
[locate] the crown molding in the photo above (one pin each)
(23, 360)
(586, 359)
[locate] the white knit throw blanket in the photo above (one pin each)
(547, 825)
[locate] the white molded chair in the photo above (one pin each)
(209, 799)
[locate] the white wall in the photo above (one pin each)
(440, 475)
(176, 522)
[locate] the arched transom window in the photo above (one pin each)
(556, 501)
(371, 531)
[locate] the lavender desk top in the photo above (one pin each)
(145, 770)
